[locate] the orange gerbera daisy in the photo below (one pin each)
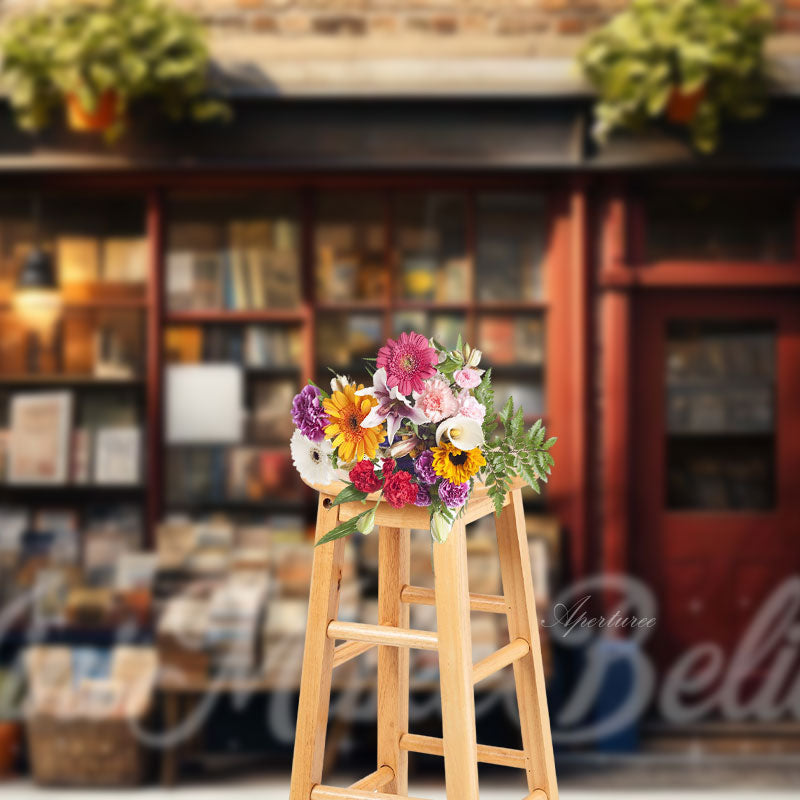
(346, 412)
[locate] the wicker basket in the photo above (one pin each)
(85, 752)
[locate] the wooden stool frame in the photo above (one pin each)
(393, 637)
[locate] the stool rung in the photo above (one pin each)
(487, 754)
(419, 595)
(383, 634)
(320, 792)
(506, 655)
(348, 651)
(375, 781)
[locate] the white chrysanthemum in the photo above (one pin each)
(312, 459)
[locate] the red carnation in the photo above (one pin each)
(364, 478)
(388, 467)
(399, 490)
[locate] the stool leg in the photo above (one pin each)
(394, 572)
(315, 682)
(515, 567)
(455, 665)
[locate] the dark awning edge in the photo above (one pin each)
(400, 134)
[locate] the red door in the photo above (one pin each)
(716, 459)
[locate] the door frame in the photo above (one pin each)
(623, 279)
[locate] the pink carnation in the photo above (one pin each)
(437, 400)
(468, 377)
(408, 362)
(468, 406)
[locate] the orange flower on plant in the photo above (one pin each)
(347, 412)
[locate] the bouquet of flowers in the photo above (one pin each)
(422, 434)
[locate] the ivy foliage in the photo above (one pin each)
(133, 48)
(656, 51)
(510, 449)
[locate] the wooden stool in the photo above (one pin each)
(393, 637)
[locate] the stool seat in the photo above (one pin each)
(393, 637)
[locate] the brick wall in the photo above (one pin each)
(437, 19)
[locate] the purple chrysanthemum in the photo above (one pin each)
(423, 497)
(423, 466)
(453, 495)
(308, 414)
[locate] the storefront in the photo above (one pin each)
(644, 301)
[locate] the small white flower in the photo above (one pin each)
(463, 432)
(440, 528)
(312, 460)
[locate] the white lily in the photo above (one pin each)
(463, 432)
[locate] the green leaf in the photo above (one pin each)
(348, 495)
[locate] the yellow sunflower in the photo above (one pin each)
(346, 412)
(456, 466)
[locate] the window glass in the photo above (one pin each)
(431, 244)
(234, 253)
(350, 248)
(719, 226)
(510, 246)
(720, 415)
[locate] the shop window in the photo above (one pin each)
(753, 226)
(720, 401)
(510, 247)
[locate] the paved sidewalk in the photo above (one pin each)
(270, 789)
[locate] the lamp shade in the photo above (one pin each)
(37, 272)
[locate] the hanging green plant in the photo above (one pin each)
(692, 62)
(96, 58)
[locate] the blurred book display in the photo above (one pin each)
(190, 531)
(350, 248)
(239, 265)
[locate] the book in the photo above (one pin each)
(244, 474)
(183, 344)
(496, 339)
(455, 281)
(111, 409)
(40, 437)
(180, 280)
(4, 442)
(135, 571)
(218, 418)
(269, 421)
(529, 340)
(118, 345)
(78, 259)
(419, 277)
(125, 259)
(78, 344)
(15, 340)
(13, 524)
(118, 455)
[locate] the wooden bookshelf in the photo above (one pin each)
(413, 239)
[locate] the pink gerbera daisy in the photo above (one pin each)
(408, 362)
